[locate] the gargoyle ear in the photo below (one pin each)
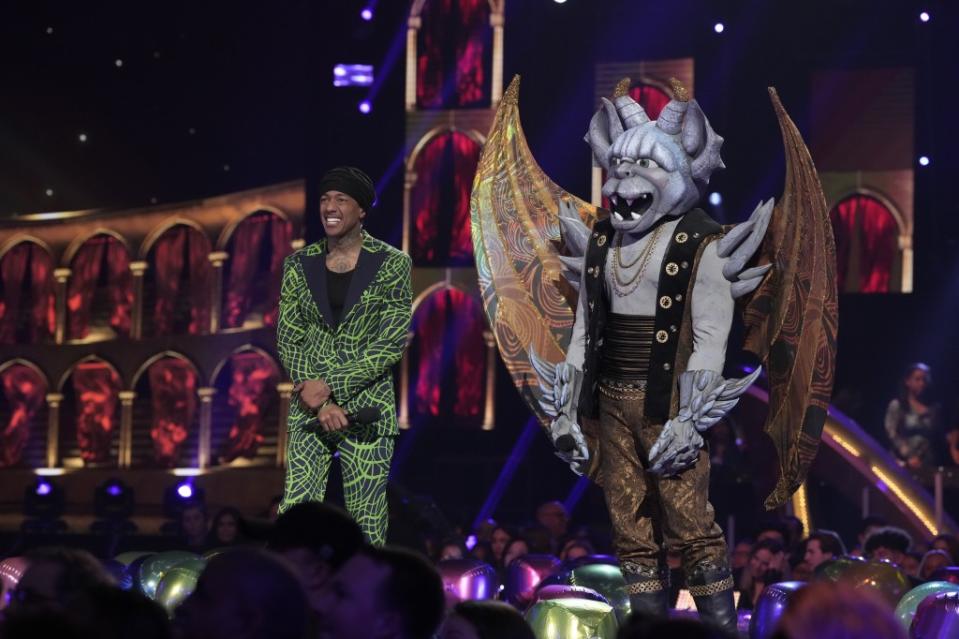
(604, 128)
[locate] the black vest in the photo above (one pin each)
(672, 293)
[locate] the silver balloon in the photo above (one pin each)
(772, 602)
(523, 575)
(467, 579)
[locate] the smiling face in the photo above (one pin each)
(649, 178)
(339, 213)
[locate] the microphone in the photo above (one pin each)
(366, 415)
(565, 443)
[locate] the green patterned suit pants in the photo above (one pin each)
(365, 461)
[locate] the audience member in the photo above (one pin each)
(576, 548)
(516, 548)
(739, 556)
(227, 528)
(826, 610)
(245, 593)
(931, 562)
(866, 528)
(910, 564)
(499, 540)
(194, 531)
(55, 576)
(767, 565)
(386, 593)
(451, 549)
(913, 421)
(773, 529)
(554, 518)
(317, 539)
(485, 620)
(948, 543)
(889, 543)
(821, 546)
(482, 551)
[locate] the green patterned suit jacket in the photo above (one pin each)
(355, 356)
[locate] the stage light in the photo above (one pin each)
(118, 62)
(715, 198)
(43, 488)
(718, 27)
(924, 16)
(352, 75)
(49, 30)
(923, 160)
(365, 107)
(113, 504)
(559, 1)
(49, 192)
(367, 14)
(82, 137)
(184, 491)
(226, 168)
(43, 506)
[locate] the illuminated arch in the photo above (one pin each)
(78, 242)
(871, 238)
(224, 240)
(165, 226)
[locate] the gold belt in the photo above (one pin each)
(620, 390)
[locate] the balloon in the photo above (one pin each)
(833, 569)
(153, 567)
(126, 558)
(606, 580)
(769, 608)
(11, 570)
(523, 575)
(936, 617)
(884, 577)
(546, 593)
(133, 570)
(572, 619)
(210, 554)
(947, 573)
(178, 583)
(465, 579)
(906, 610)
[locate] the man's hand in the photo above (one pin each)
(313, 392)
(676, 449)
(332, 418)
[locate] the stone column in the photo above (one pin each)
(412, 26)
(285, 389)
(489, 411)
(409, 179)
(126, 428)
(217, 258)
(61, 275)
(404, 416)
(497, 20)
(206, 394)
(53, 428)
(136, 316)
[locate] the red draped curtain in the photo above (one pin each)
(180, 252)
(96, 388)
(27, 305)
(263, 231)
(252, 387)
(454, 41)
(867, 244)
(24, 390)
(99, 252)
(650, 97)
(440, 200)
(173, 395)
(450, 355)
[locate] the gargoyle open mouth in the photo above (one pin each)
(630, 209)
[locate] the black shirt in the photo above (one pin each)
(337, 284)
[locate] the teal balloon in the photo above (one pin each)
(153, 568)
(572, 619)
(178, 583)
(906, 610)
(885, 578)
(608, 581)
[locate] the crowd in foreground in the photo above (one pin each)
(316, 578)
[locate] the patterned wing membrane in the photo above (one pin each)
(517, 243)
(792, 318)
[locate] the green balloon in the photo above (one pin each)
(884, 577)
(152, 569)
(572, 619)
(834, 569)
(608, 581)
(178, 583)
(210, 554)
(906, 609)
(128, 557)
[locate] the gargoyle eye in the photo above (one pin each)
(617, 161)
(647, 163)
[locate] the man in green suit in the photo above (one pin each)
(345, 308)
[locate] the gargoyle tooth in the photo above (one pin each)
(614, 200)
(635, 215)
(629, 201)
(617, 216)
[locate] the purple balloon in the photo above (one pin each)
(772, 602)
(947, 573)
(936, 617)
(523, 575)
(465, 579)
(568, 592)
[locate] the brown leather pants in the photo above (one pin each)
(650, 513)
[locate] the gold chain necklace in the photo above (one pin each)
(630, 285)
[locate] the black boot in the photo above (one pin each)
(648, 589)
(712, 590)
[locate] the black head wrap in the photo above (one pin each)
(353, 182)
